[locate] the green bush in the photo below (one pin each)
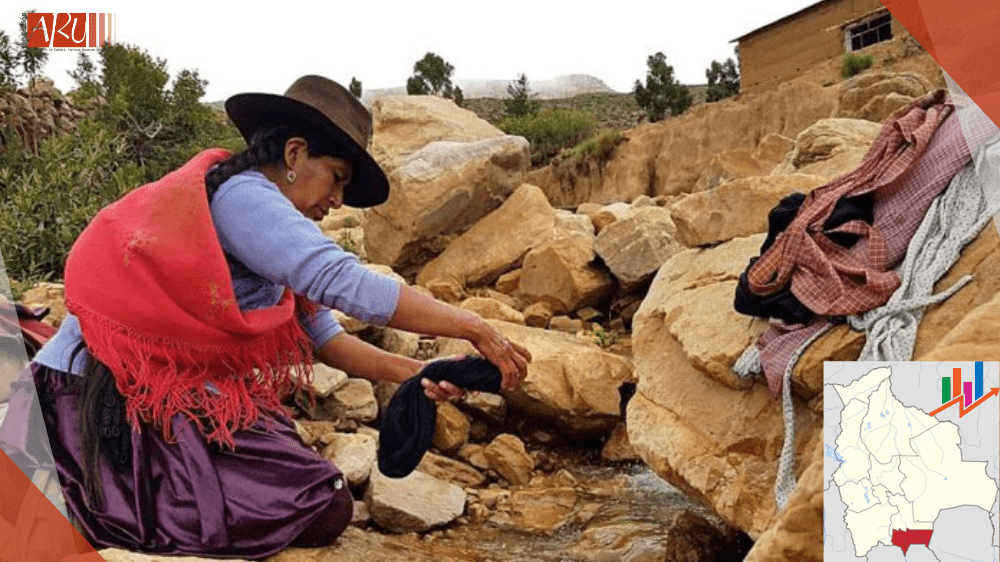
(48, 202)
(550, 131)
(662, 94)
(599, 147)
(853, 64)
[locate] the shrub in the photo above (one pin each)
(550, 131)
(853, 64)
(598, 147)
(48, 202)
(520, 100)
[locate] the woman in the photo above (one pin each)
(186, 332)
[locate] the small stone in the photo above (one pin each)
(566, 324)
(354, 454)
(537, 315)
(416, 503)
(452, 428)
(355, 400)
(589, 314)
(507, 455)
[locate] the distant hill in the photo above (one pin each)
(555, 88)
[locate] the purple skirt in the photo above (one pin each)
(192, 497)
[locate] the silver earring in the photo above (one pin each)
(290, 176)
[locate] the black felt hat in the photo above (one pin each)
(329, 108)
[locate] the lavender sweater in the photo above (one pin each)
(269, 245)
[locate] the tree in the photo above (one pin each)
(9, 61)
(457, 96)
(432, 75)
(85, 75)
(662, 91)
(723, 80)
(520, 100)
(355, 87)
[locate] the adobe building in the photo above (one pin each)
(782, 50)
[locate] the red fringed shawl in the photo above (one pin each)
(149, 283)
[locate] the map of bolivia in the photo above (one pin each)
(899, 467)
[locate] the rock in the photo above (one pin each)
(417, 502)
(772, 149)
(797, 535)
(405, 124)
(542, 510)
(728, 166)
(441, 191)
(538, 315)
(448, 470)
(354, 454)
(344, 217)
(626, 541)
(350, 324)
(507, 455)
(735, 209)
(491, 406)
(357, 544)
(559, 273)
(326, 379)
(609, 214)
(617, 448)
(644, 201)
(361, 516)
(452, 428)
(589, 314)
(350, 240)
(566, 324)
(693, 538)
(492, 308)
(50, 295)
(315, 431)
(635, 247)
(472, 453)
(699, 426)
(975, 338)
(839, 344)
(508, 282)
(496, 243)
(875, 96)
(981, 259)
(40, 86)
(119, 555)
(566, 220)
(447, 290)
(829, 148)
(354, 400)
(570, 383)
(400, 342)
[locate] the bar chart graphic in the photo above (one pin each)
(966, 394)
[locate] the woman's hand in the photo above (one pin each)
(440, 392)
(511, 358)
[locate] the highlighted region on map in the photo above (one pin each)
(898, 468)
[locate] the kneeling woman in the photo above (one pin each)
(195, 301)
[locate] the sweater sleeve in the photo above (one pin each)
(260, 228)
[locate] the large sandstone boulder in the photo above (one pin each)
(735, 209)
(698, 425)
(636, 246)
(559, 270)
(830, 148)
(403, 125)
(877, 95)
(570, 382)
(728, 166)
(440, 191)
(797, 535)
(416, 503)
(495, 244)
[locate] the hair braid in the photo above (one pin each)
(266, 147)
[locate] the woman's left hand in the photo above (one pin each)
(442, 391)
(511, 358)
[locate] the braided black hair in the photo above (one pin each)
(267, 146)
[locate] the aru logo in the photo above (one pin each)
(69, 30)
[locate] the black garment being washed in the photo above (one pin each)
(784, 304)
(407, 428)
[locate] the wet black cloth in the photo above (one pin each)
(407, 427)
(783, 304)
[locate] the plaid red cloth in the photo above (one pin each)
(826, 277)
(900, 205)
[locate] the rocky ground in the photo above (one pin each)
(618, 276)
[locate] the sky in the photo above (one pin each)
(264, 50)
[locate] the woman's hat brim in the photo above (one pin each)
(369, 185)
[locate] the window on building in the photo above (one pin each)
(869, 32)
